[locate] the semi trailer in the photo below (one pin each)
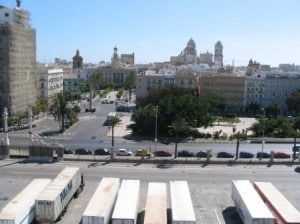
(249, 205)
(21, 209)
(101, 205)
(52, 202)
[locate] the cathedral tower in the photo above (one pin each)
(218, 57)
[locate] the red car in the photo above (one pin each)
(281, 155)
(162, 153)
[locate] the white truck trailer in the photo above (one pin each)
(126, 208)
(249, 205)
(181, 203)
(21, 209)
(100, 207)
(279, 205)
(53, 200)
(156, 205)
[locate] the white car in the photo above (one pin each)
(124, 152)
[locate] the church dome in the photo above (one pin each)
(191, 43)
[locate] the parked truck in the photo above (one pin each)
(181, 203)
(21, 209)
(52, 202)
(126, 208)
(100, 207)
(284, 211)
(249, 205)
(156, 205)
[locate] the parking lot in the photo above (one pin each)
(210, 185)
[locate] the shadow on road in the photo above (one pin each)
(231, 216)
(95, 164)
(49, 133)
(164, 165)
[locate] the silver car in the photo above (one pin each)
(124, 152)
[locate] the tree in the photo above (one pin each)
(144, 121)
(216, 102)
(293, 102)
(272, 110)
(39, 107)
(112, 122)
(174, 104)
(253, 108)
(279, 127)
(177, 128)
(96, 80)
(61, 111)
(130, 82)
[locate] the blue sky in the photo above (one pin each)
(267, 31)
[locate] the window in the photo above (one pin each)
(6, 14)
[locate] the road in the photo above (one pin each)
(210, 186)
(90, 133)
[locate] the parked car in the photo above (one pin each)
(281, 155)
(162, 153)
(83, 151)
(101, 151)
(263, 155)
(104, 101)
(68, 151)
(185, 153)
(143, 152)
(224, 155)
(124, 152)
(202, 154)
(246, 155)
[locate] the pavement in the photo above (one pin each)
(225, 127)
(121, 129)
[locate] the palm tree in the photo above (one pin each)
(60, 110)
(179, 127)
(113, 121)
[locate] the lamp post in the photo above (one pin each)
(155, 138)
(295, 149)
(263, 133)
(30, 123)
(5, 116)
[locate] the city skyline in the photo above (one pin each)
(265, 31)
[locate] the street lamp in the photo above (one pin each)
(30, 123)
(5, 116)
(263, 133)
(155, 139)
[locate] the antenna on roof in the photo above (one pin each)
(18, 3)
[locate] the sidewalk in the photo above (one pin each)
(227, 128)
(120, 130)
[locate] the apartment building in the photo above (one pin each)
(17, 60)
(50, 83)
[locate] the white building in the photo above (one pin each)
(145, 81)
(267, 88)
(51, 83)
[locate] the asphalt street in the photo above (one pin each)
(91, 133)
(210, 186)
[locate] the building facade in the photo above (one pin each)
(77, 60)
(127, 59)
(189, 56)
(51, 83)
(268, 88)
(229, 87)
(218, 57)
(150, 79)
(17, 60)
